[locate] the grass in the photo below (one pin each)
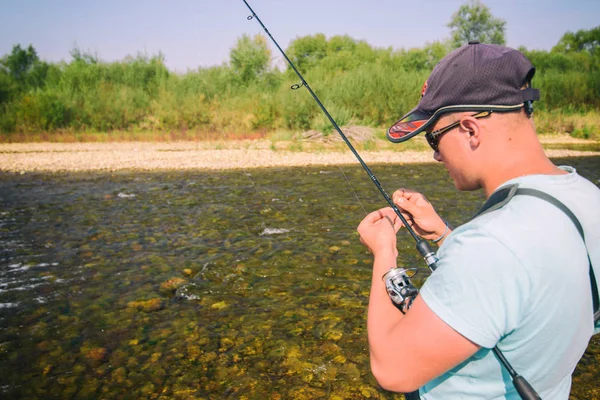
(585, 125)
(128, 136)
(280, 140)
(573, 131)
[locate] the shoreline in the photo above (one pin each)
(146, 156)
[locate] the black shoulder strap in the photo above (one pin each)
(498, 199)
(502, 196)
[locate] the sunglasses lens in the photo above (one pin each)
(432, 141)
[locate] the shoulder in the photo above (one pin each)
(480, 285)
(487, 234)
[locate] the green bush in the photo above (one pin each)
(357, 83)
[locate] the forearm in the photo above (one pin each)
(382, 314)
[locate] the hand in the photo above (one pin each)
(378, 231)
(419, 213)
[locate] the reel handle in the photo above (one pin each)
(399, 287)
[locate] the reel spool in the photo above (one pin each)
(399, 287)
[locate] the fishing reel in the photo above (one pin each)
(399, 287)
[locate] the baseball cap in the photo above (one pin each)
(473, 77)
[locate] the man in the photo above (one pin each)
(518, 277)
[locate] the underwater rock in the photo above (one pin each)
(155, 357)
(208, 357)
(95, 355)
(171, 285)
(302, 393)
(151, 305)
(226, 344)
(194, 352)
(220, 305)
(334, 335)
(340, 359)
(47, 369)
(368, 392)
(147, 390)
(351, 371)
(119, 375)
(118, 357)
(334, 249)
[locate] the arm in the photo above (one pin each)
(408, 350)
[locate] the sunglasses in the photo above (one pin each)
(433, 138)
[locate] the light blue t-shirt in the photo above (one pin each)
(518, 277)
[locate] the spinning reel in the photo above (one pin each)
(399, 287)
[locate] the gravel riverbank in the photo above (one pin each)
(56, 157)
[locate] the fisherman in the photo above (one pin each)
(518, 276)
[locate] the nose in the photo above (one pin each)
(437, 156)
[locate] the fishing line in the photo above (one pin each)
(248, 176)
(268, 204)
(352, 189)
(397, 280)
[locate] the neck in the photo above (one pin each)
(515, 156)
(509, 173)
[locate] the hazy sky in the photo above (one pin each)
(200, 33)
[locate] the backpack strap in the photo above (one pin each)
(502, 196)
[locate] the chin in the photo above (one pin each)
(463, 182)
(466, 186)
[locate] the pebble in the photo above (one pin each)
(57, 157)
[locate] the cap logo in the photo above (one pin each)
(404, 128)
(424, 89)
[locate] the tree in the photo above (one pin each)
(21, 70)
(250, 57)
(474, 21)
(582, 40)
(305, 52)
(7, 86)
(20, 62)
(425, 58)
(81, 56)
(345, 53)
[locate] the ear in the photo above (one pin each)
(473, 129)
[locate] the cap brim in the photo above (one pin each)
(417, 121)
(409, 126)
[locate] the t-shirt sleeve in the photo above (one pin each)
(480, 288)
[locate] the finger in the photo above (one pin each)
(392, 218)
(390, 221)
(397, 224)
(398, 194)
(397, 220)
(373, 217)
(417, 198)
(370, 219)
(405, 204)
(389, 213)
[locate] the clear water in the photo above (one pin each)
(241, 284)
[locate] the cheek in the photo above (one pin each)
(458, 171)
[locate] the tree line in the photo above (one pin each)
(359, 84)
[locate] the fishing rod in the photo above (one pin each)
(397, 281)
(422, 245)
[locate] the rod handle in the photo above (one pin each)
(412, 395)
(524, 389)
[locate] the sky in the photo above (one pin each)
(199, 34)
